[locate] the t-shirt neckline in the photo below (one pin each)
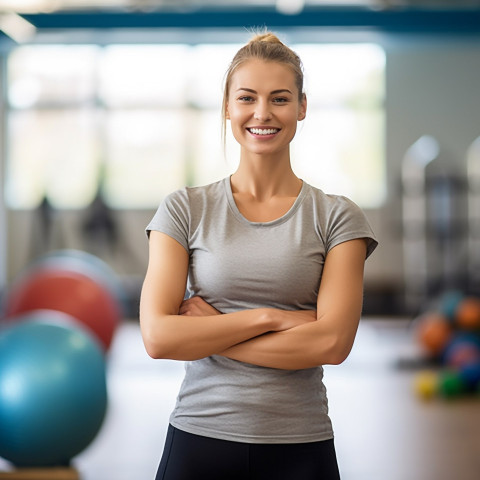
(277, 221)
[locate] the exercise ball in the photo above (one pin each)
(68, 291)
(467, 315)
(426, 384)
(449, 304)
(433, 333)
(451, 384)
(470, 374)
(53, 394)
(88, 264)
(462, 349)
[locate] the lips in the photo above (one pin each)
(263, 131)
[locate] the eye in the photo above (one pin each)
(245, 99)
(280, 100)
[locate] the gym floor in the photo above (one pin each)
(383, 431)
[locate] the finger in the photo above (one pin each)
(184, 307)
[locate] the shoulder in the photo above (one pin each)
(331, 202)
(182, 210)
(192, 196)
(340, 219)
(200, 191)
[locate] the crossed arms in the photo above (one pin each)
(193, 329)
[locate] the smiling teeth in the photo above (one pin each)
(264, 131)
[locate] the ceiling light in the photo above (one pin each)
(290, 7)
(16, 27)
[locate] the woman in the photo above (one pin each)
(273, 273)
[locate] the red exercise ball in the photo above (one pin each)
(433, 332)
(70, 292)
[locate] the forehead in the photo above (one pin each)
(258, 74)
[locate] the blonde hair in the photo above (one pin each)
(267, 47)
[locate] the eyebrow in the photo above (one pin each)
(274, 92)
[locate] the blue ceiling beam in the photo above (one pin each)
(456, 22)
(459, 21)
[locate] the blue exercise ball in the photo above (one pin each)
(449, 303)
(470, 374)
(53, 392)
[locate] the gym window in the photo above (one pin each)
(138, 121)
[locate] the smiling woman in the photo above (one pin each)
(256, 281)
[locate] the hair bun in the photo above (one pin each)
(267, 37)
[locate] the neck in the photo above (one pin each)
(264, 177)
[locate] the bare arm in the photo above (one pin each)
(169, 334)
(329, 339)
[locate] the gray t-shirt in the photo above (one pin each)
(235, 265)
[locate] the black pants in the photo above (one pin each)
(193, 457)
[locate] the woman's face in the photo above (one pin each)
(264, 107)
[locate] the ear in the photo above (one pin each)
(227, 114)
(302, 111)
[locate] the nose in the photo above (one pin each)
(262, 111)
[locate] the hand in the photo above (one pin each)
(285, 319)
(197, 307)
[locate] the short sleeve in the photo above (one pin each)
(347, 221)
(173, 218)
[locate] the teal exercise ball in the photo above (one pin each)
(449, 304)
(53, 391)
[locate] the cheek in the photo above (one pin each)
(236, 119)
(237, 129)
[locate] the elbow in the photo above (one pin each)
(155, 349)
(154, 353)
(337, 358)
(154, 343)
(339, 351)
(159, 340)
(336, 350)
(159, 345)
(163, 351)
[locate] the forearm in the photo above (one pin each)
(305, 346)
(199, 330)
(182, 337)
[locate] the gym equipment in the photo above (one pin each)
(453, 348)
(74, 291)
(434, 205)
(433, 333)
(449, 304)
(414, 213)
(90, 265)
(470, 375)
(426, 384)
(53, 394)
(467, 314)
(473, 174)
(450, 384)
(460, 351)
